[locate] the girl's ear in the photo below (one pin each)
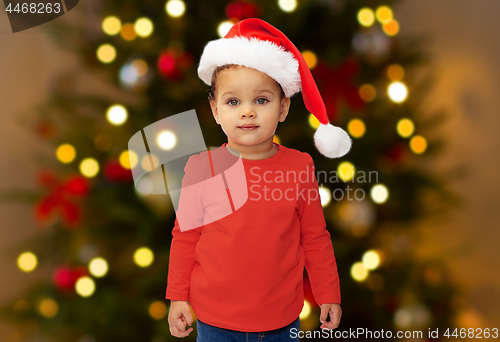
(215, 113)
(285, 107)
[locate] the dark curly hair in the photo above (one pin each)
(211, 90)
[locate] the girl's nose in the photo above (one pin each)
(247, 112)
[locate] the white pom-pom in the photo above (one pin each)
(332, 141)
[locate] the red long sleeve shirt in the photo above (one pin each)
(245, 271)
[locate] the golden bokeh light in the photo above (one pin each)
(325, 195)
(395, 72)
(66, 153)
(405, 127)
(48, 308)
(21, 305)
(124, 159)
(89, 167)
(287, 5)
(366, 17)
(384, 14)
(27, 261)
(128, 32)
(313, 121)
(391, 28)
(85, 286)
(397, 91)
(143, 257)
(166, 140)
(128, 159)
(148, 162)
(379, 193)
(111, 25)
(310, 58)
(306, 310)
(224, 27)
(371, 259)
(418, 144)
(356, 128)
(98, 267)
(143, 27)
(157, 310)
(276, 139)
(106, 53)
(175, 8)
(346, 171)
(367, 92)
(116, 114)
(358, 271)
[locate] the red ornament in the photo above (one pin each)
(249, 11)
(337, 86)
(239, 10)
(167, 67)
(63, 278)
(234, 10)
(66, 277)
(172, 62)
(397, 153)
(47, 178)
(59, 201)
(113, 171)
(70, 213)
(45, 130)
(185, 60)
(78, 186)
(78, 272)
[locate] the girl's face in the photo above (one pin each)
(247, 96)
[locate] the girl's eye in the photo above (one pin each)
(234, 102)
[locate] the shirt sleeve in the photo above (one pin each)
(181, 260)
(320, 260)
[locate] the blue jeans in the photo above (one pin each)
(210, 333)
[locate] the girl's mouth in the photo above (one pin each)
(248, 127)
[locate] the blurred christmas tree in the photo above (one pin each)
(108, 245)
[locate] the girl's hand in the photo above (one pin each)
(335, 312)
(178, 317)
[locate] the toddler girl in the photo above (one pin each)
(242, 274)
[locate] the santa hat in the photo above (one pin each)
(257, 44)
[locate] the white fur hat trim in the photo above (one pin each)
(255, 53)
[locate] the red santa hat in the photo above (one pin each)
(257, 44)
